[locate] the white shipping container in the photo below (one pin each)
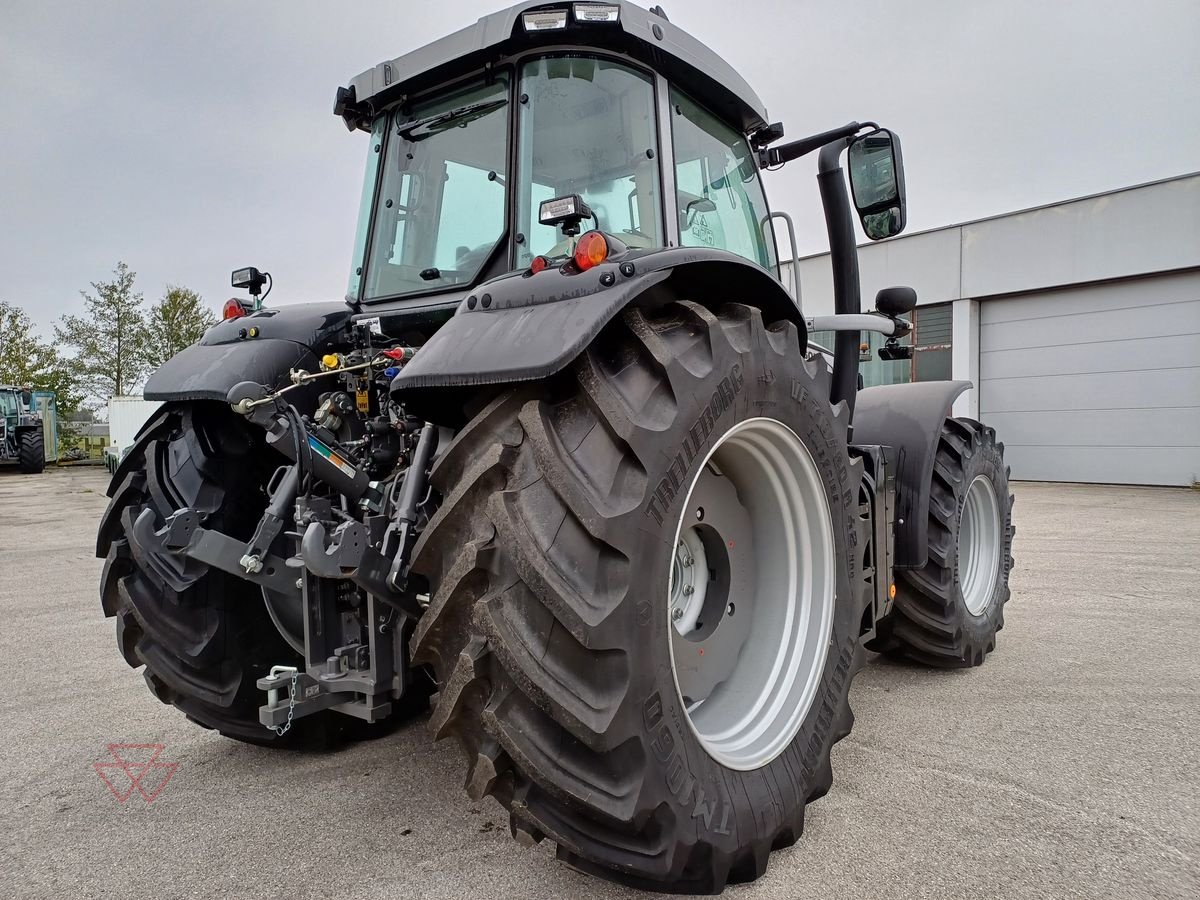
(126, 416)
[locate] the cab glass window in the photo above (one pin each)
(718, 191)
(588, 128)
(440, 212)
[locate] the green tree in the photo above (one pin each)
(177, 321)
(27, 360)
(109, 341)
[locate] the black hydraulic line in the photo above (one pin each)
(843, 254)
(284, 497)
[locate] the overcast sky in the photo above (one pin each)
(191, 138)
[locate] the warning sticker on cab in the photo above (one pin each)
(327, 452)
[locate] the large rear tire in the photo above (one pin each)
(550, 628)
(947, 614)
(204, 636)
(31, 451)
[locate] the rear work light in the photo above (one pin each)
(591, 250)
(596, 12)
(233, 309)
(546, 20)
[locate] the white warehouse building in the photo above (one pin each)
(1077, 324)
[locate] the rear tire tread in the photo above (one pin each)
(527, 652)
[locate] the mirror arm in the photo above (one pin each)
(843, 255)
(873, 321)
(777, 156)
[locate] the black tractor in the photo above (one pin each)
(21, 441)
(565, 463)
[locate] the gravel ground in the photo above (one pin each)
(1066, 767)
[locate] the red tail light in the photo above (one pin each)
(591, 250)
(233, 309)
(539, 264)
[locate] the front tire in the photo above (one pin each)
(549, 628)
(31, 451)
(947, 614)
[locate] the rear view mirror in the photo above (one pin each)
(877, 182)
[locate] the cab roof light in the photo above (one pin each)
(591, 250)
(544, 20)
(596, 12)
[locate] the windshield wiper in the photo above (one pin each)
(460, 117)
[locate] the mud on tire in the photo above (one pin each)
(547, 629)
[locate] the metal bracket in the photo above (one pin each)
(350, 554)
(183, 536)
(885, 325)
(342, 691)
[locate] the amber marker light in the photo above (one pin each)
(591, 250)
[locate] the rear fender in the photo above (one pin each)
(525, 326)
(907, 419)
(262, 348)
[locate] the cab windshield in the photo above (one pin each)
(440, 212)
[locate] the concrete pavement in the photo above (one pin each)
(1067, 766)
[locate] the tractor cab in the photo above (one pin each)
(606, 103)
(10, 409)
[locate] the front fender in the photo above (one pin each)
(908, 418)
(525, 326)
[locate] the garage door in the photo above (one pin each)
(1096, 384)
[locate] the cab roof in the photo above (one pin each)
(645, 36)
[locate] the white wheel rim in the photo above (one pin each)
(979, 545)
(778, 609)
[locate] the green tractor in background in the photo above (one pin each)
(22, 437)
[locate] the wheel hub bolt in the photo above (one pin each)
(688, 590)
(677, 613)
